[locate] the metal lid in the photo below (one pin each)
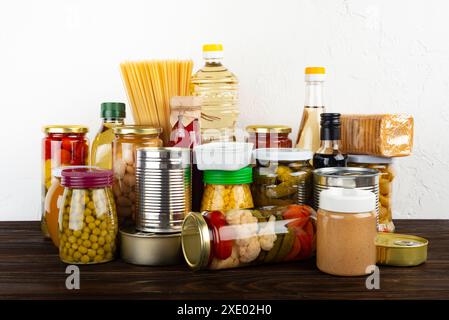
(346, 172)
(195, 240)
(268, 129)
(344, 200)
(396, 240)
(282, 154)
(65, 129)
(359, 158)
(87, 177)
(137, 129)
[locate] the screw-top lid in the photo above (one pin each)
(213, 51)
(113, 110)
(282, 154)
(65, 129)
(315, 74)
(360, 158)
(196, 241)
(344, 200)
(87, 177)
(242, 176)
(57, 172)
(330, 126)
(260, 128)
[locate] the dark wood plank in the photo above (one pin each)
(30, 269)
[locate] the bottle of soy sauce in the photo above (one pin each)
(329, 154)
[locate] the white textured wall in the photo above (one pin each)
(59, 60)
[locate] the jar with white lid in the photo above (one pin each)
(346, 232)
(385, 166)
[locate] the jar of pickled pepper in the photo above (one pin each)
(226, 190)
(63, 145)
(269, 136)
(88, 220)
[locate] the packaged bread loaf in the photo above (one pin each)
(385, 135)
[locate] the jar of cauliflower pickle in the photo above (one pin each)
(127, 140)
(238, 237)
(387, 173)
(88, 220)
(226, 190)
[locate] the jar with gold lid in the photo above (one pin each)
(127, 140)
(63, 145)
(269, 136)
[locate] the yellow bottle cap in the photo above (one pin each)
(212, 47)
(315, 70)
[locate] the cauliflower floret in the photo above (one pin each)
(233, 216)
(231, 262)
(267, 235)
(249, 249)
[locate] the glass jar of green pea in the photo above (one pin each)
(88, 220)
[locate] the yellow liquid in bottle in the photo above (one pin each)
(219, 89)
(309, 130)
(101, 155)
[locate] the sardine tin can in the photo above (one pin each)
(401, 250)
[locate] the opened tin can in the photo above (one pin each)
(400, 250)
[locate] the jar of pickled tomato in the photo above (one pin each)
(64, 145)
(240, 237)
(88, 220)
(226, 190)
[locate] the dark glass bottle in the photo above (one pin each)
(329, 154)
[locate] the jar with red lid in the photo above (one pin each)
(269, 136)
(88, 219)
(63, 145)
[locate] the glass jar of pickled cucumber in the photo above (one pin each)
(63, 145)
(282, 177)
(240, 237)
(127, 140)
(226, 190)
(88, 219)
(387, 173)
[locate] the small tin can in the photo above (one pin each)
(150, 249)
(400, 250)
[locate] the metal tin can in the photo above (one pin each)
(400, 250)
(150, 249)
(163, 184)
(345, 177)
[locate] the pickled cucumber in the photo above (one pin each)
(271, 255)
(286, 245)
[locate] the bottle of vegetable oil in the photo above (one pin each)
(309, 130)
(218, 88)
(113, 114)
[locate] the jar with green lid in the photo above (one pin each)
(282, 177)
(226, 190)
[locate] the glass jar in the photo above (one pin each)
(346, 232)
(185, 115)
(237, 238)
(61, 146)
(88, 220)
(269, 136)
(53, 202)
(282, 177)
(387, 173)
(127, 140)
(226, 190)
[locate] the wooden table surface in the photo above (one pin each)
(30, 269)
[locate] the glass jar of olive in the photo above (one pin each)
(88, 219)
(282, 177)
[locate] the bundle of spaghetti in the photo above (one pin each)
(150, 84)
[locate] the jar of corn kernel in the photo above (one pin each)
(225, 190)
(88, 219)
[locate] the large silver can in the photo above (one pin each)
(163, 186)
(345, 177)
